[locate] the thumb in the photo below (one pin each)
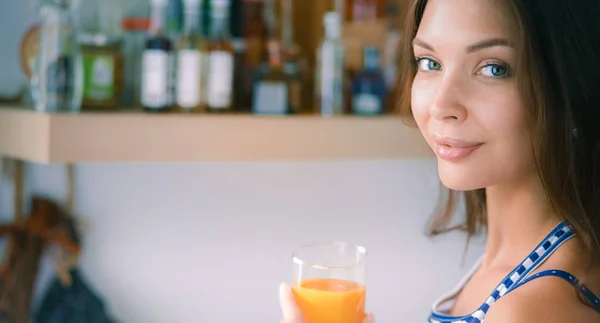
(291, 312)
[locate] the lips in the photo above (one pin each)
(452, 149)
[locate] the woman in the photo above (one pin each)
(507, 94)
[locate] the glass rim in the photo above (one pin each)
(361, 249)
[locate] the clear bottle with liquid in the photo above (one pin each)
(330, 72)
(191, 61)
(220, 59)
(59, 74)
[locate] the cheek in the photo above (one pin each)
(422, 95)
(501, 117)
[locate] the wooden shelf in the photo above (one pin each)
(143, 137)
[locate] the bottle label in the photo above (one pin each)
(366, 103)
(271, 98)
(189, 78)
(98, 77)
(220, 80)
(155, 79)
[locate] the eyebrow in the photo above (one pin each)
(487, 43)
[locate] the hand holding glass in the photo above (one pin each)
(329, 282)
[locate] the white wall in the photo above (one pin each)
(211, 242)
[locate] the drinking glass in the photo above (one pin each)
(329, 282)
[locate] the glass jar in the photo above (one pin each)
(102, 72)
(57, 79)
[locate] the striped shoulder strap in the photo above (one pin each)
(586, 294)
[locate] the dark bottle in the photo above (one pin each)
(295, 63)
(157, 93)
(368, 85)
(242, 83)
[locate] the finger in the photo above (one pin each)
(291, 312)
(369, 318)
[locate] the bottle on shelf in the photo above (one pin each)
(368, 86)
(391, 52)
(191, 61)
(392, 43)
(242, 83)
(255, 34)
(295, 64)
(220, 60)
(135, 30)
(256, 31)
(330, 71)
(102, 71)
(157, 92)
(58, 79)
(271, 93)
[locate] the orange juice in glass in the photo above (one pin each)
(329, 282)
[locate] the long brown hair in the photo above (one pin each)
(558, 74)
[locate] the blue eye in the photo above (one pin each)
(494, 70)
(426, 64)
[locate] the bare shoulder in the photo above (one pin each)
(548, 299)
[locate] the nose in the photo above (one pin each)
(447, 104)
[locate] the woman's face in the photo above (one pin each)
(464, 97)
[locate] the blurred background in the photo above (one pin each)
(210, 241)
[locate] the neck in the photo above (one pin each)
(519, 217)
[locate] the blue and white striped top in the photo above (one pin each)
(518, 277)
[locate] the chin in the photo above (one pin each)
(462, 176)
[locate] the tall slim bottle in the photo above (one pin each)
(220, 60)
(191, 61)
(57, 83)
(157, 93)
(330, 73)
(241, 80)
(295, 63)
